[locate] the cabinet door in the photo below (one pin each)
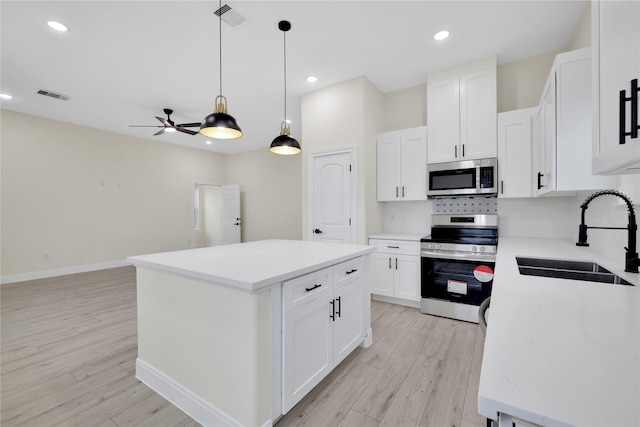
(548, 143)
(382, 274)
(348, 327)
(514, 153)
(308, 349)
(616, 61)
(573, 127)
(407, 272)
(413, 172)
(443, 120)
(388, 166)
(537, 148)
(478, 110)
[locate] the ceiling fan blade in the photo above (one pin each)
(164, 121)
(189, 125)
(160, 132)
(145, 126)
(189, 131)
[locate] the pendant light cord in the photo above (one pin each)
(220, 39)
(284, 35)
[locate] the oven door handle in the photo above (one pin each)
(465, 256)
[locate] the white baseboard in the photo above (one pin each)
(21, 277)
(194, 406)
(393, 300)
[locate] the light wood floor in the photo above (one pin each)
(69, 347)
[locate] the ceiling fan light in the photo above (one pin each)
(169, 129)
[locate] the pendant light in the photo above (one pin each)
(284, 143)
(220, 124)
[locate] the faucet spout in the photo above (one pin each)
(631, 261)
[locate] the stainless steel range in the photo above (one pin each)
(457, 264)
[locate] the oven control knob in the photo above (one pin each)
(482, 248)
(474, 248)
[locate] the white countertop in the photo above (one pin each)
(252, 266)
(413, 237)
(558, 351)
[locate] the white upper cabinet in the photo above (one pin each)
(402, 165)
(615, 39)
(561, 154)
(515, 133)
(461, 112)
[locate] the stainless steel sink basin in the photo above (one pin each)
(564, 269)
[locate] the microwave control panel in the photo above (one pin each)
(486, 177)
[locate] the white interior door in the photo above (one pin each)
(231, 222)
(332, 198)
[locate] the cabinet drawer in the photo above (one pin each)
(347, 271)
(400, 247)
(305, 289)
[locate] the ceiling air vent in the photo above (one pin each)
(50, 94)
(229, 15)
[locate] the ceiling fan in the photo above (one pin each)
(168, 125)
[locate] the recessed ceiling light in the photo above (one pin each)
(5, 96)
(57, 26)
(208, 142)
(312, 79)
(441, 35)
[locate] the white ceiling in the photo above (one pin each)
(122, 62)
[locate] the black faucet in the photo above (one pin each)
(631, 261)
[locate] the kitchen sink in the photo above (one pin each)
(565, 269)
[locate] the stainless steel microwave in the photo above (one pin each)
(463, 178)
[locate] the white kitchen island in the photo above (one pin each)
(227, 334)
(560, 352)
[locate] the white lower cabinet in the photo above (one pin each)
(323, 321)
(396, 269)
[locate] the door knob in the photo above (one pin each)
(317, 231)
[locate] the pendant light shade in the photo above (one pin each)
(284, 143)
(220, 124)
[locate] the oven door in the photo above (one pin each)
(457, 277)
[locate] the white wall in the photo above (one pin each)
(74, 196)
(270, 192)
(339, 116)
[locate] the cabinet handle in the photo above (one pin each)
(339, 306)
(455, 149)
(316, 286)
(396, 191)
(501, 187)
(540, 175)
(396, 263)
(462, 150)
(403, 191)
(352, 271)
(333, 310)
(633, 98)
(389, 263)
(393, 247)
